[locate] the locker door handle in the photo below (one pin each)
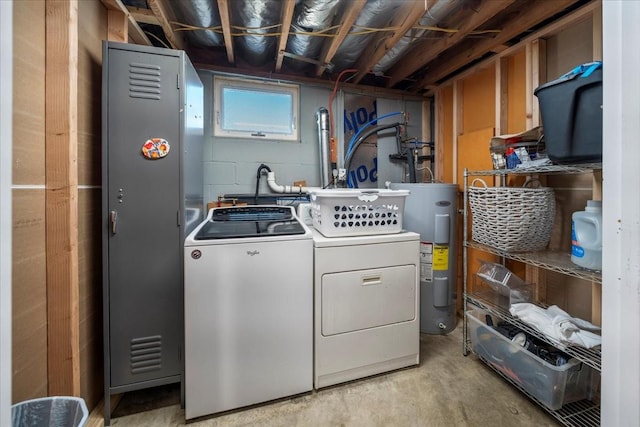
(113, 216)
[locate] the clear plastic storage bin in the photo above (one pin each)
(54, 411)
(509, 288)
(357, 212)
(553, 386)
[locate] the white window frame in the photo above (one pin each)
(220, 83)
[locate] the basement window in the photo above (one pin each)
(255, 110)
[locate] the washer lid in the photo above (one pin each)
(250, 221)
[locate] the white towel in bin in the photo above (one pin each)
(557, 324)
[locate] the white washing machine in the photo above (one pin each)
(248, 309)
(366, 305)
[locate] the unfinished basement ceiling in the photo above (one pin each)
(398, 44)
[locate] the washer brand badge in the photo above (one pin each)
(196, 254)
(252, 253)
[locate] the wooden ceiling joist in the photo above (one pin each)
(331, 46)
(436, 56)
(162, 10)
(144, 16)
(428, 50)
(134, 31)
(526, 18)
(404, 19)
(225, 20)
(578, 15)
(285, 25)
(136, 34)
(117, 26)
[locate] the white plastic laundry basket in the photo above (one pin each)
(357, 212)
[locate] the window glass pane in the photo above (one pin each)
(257, 111)
(250, 109)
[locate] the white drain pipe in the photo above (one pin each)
(294, 189)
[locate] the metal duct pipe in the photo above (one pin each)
(199, 13)
(303, 46)
(315, 14)
(322, 120)
(254, 15)
(375, 14)
(438, 13)
(310, 15)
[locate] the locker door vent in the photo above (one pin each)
(146, 354)
(144, 81)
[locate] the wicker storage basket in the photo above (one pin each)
(512, 219)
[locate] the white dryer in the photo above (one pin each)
(366, 305)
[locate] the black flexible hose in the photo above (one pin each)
(410, 161)
(361, 138)
(258, 174)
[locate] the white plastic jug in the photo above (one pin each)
(586, 236)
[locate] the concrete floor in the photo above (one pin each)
(446, 389)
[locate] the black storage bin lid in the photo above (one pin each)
(571, 110)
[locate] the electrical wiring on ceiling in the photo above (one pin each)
(325, 32)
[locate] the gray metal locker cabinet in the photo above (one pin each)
(152, 133)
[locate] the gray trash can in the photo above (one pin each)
(57, 411)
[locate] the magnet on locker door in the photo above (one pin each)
(155, 148)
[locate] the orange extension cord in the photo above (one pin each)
(332, 140)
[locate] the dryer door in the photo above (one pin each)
(364, 299)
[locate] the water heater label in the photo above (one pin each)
(426, 248)
(426, 261)
(440, 258)
(426, 272)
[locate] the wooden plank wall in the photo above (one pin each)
(516, 107)
(499, 92)
(444, 134)
(471, 145)
(566, 49)
(478, 102)
(476, 116)
(29, 304)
